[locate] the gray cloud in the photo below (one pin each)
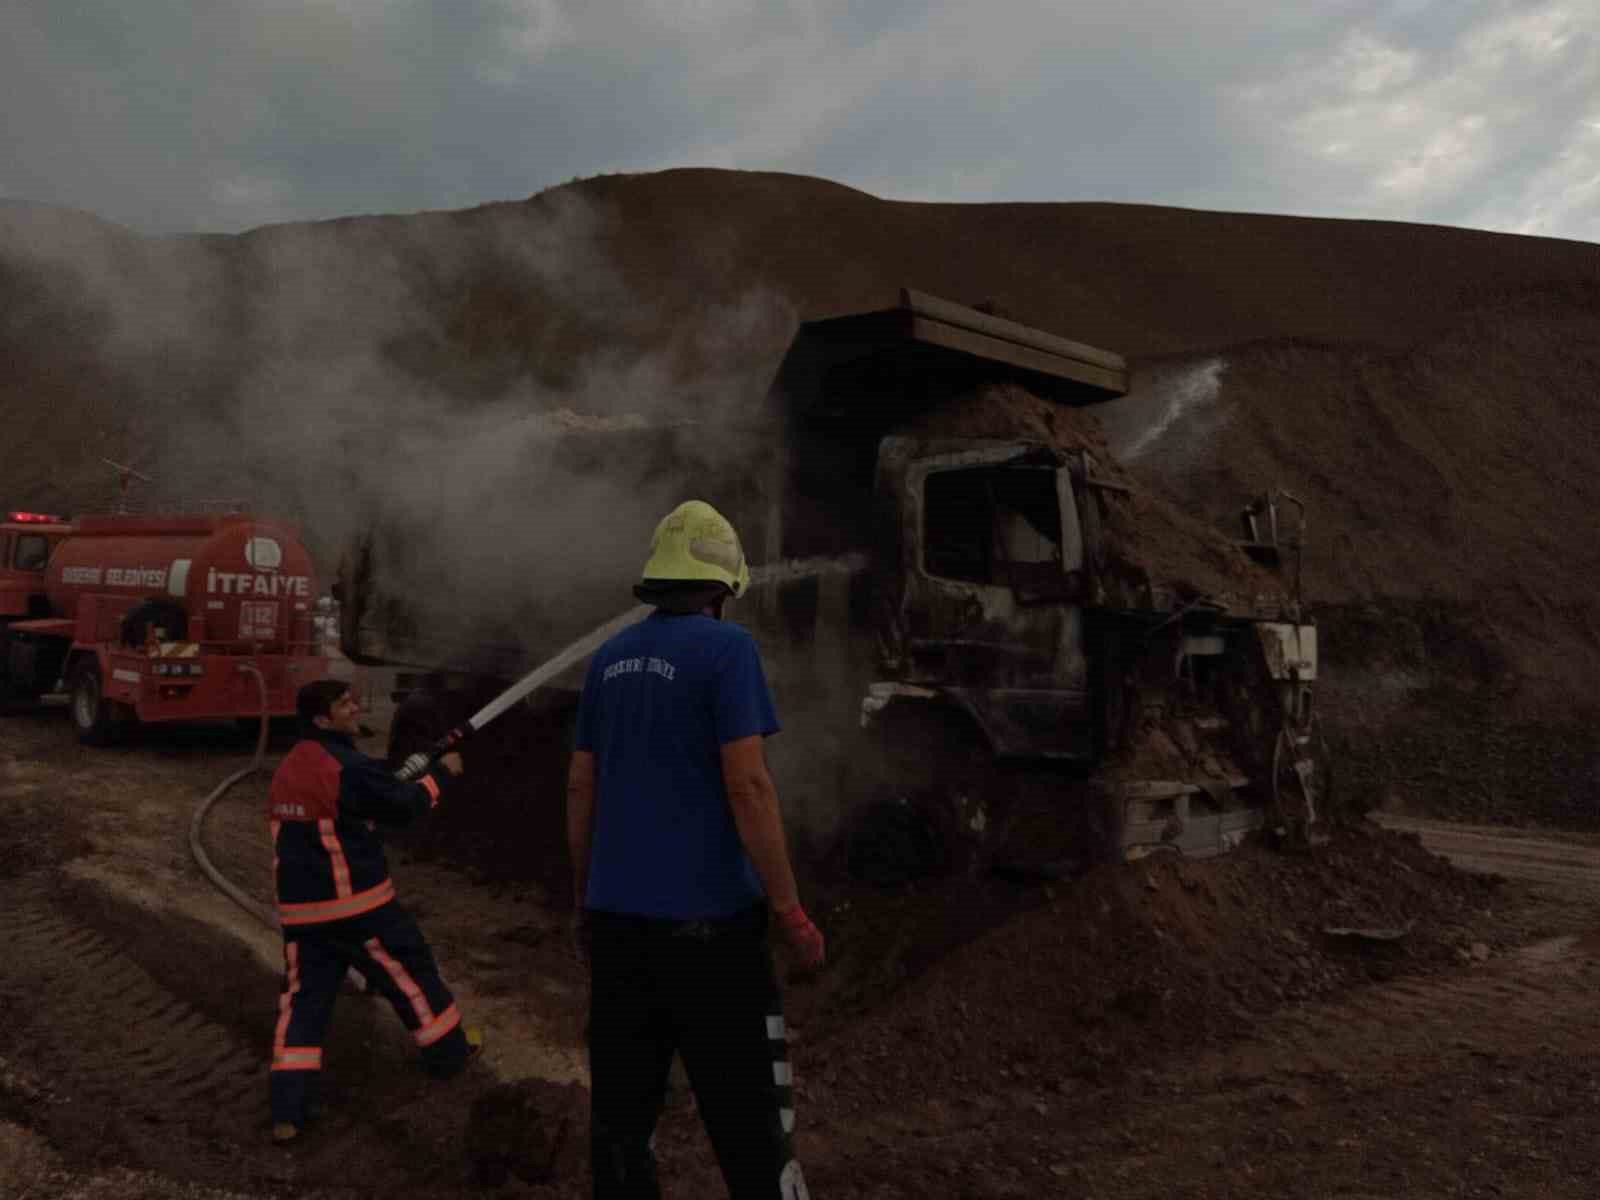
(177, 116)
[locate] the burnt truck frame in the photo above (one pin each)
(949, 636)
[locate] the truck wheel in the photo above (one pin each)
(916, 796)
(13, 690)
(91, 711)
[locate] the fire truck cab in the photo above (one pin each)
(27, 539)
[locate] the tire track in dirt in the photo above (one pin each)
(114, 1034)
(1509, 1002)
(1346, 1088)
(1572, 863)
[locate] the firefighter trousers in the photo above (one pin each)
(388, 948)
(704, 990)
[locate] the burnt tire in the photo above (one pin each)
(895, 842)
(917, 789)
(92, 713)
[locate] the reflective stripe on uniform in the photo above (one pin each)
(403, 980)
(291, 985)
(782, 1075)
(792, 1183)
(336, 858)
(298, 1058)
(441, 1025)
(316, 911)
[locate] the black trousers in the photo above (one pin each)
(704, 990)
(388, 948)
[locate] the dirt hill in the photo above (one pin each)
(1427, 392)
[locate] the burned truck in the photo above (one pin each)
(980, 631)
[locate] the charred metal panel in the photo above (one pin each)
(1032, 722)
(889, 364)
(1003, 643)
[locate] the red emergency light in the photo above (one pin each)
(27, 518)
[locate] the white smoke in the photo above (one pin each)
(419, 374)
(1172, 412)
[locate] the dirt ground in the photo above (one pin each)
(1364, 1020)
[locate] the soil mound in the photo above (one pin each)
(1181, 953)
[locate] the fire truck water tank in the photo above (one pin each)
(241, 582)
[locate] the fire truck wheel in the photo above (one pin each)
(91, 711)
(13, 690)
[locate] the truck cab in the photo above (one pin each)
(982, 594)
(27, 539)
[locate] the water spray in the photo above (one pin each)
(416, 764)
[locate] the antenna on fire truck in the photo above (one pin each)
(125, 474)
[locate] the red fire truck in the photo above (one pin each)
(183, 617)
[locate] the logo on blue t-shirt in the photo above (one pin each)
(632, 666)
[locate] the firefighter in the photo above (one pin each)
(337, 905)
(678, 857)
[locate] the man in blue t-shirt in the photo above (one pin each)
(678, 852)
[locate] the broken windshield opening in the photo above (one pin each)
(992, 525)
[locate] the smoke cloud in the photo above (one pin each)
(484, 397)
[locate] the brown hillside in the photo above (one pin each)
(1429, 392)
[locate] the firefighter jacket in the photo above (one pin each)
(327, 804)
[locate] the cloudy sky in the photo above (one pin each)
(221, 115)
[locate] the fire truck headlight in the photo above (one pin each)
(161, 668)
(196, 669)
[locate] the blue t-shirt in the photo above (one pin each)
(660, 700)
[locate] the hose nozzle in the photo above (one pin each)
(416, 764)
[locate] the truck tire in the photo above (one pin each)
(11, 690)
(916, 796)
(91, 711)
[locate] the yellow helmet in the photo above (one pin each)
(696, 543)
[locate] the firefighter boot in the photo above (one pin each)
(451, 1060)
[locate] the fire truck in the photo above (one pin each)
(153, 618)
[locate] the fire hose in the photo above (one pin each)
(254, 907)
(417, 763)
(414, 766)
